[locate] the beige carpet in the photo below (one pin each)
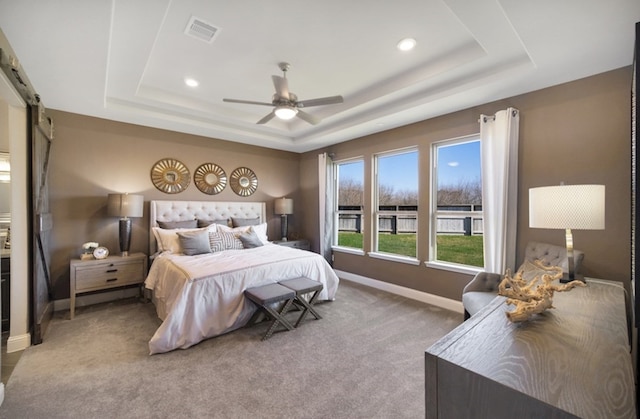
(364, 359)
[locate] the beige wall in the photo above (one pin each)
(578, 132)
(575, 133)
(92, 157)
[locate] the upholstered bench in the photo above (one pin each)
(303, 286)
(267, 296)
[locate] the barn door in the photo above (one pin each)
(42, 304)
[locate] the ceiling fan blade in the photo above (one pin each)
(247, 102)
(282, 87)
(329, 100)
(307, 117)
(267, 118)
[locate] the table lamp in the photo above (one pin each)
(284, 207)
(125, 206)
(578, 207)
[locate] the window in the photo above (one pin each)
(350, 199)
(457, 212)
(396, 203)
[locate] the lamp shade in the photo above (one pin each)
(125, 205)
(578, 207)
(284, 206)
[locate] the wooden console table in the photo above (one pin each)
(571, 361)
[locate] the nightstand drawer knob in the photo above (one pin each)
(112, 279)
(112, 270)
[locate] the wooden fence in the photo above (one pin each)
(452, 219)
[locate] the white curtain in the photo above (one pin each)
(326, 194)
(499, 162)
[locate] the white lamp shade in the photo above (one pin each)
(578, 207)
(125, 205)
(284, 206)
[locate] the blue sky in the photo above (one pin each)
(459, 162)
(400, 171)
(456, 162)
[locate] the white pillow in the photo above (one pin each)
(260, 229)
(168, 240)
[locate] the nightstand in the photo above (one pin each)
(104, 274)
(298, 244)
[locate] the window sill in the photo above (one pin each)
(454, 267)
(349, 250)
(394, 258)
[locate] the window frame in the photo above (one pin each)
(336, 207)
(376, 212)
(432, 261)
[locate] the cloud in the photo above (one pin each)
(453, 164)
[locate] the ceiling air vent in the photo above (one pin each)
(201, 30)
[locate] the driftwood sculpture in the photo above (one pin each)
(535, 295)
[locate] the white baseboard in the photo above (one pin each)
(101, 297)
(18, 343)
(436, 300)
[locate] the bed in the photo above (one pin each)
(199, 296)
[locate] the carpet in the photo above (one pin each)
(364, 359)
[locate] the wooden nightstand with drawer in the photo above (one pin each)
(105, 274)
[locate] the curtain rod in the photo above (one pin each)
(485, 118)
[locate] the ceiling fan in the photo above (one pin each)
(286, 104)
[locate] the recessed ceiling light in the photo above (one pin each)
(406, 44)
(191, 82)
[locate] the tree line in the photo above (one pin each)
(463, 192)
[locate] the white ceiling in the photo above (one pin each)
(127, 60)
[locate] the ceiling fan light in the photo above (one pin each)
(286, 112)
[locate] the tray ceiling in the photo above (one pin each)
(128, 60)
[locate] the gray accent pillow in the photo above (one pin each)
(250, 239)
(242, 222)
(178, 224)
(207, 223)
(194, 242)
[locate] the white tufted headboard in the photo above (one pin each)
(189, 210)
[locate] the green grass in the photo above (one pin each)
(348, 239)
(465, 250)
(398, 244)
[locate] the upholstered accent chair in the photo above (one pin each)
(483, 288)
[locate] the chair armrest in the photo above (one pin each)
(483, 282)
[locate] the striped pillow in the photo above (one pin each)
(220, 240)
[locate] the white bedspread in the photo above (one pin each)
(199, 297)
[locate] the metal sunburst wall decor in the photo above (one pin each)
(170, 176)
(210, 178)
(243, 181)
